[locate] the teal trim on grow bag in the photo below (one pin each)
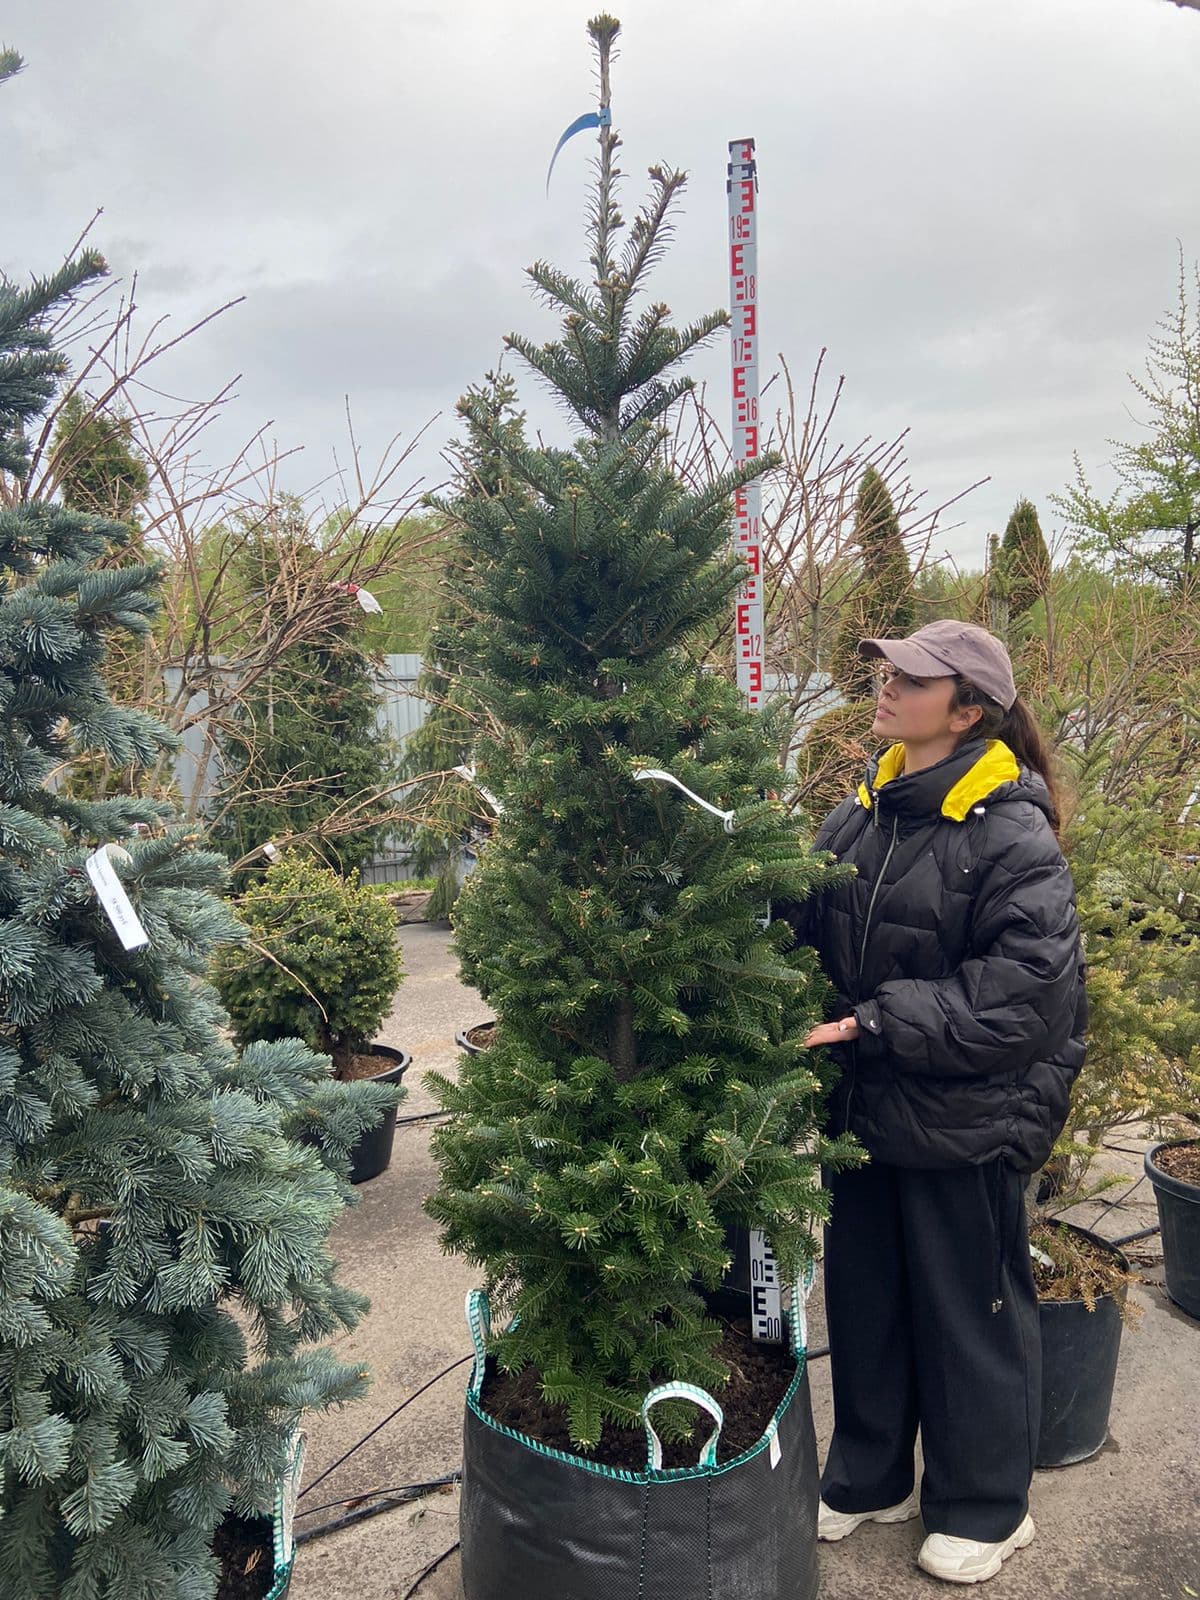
(479, 1322)
(281, 1522)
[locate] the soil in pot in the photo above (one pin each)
(481, 1035)
(1081, 1269)
(1181, 1161)
(367, 1065)
(759, 1378)
(245, 1548)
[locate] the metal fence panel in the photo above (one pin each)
(400, 712)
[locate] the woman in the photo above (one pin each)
(960, 1027)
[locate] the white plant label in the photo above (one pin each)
(365, 599)
(469, 774)
(660, 775)
(112, 897)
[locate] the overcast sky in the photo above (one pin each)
(977, 208)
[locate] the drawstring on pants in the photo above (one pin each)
(998, 1209)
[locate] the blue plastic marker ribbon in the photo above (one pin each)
(589, 119)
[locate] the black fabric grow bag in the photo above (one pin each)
(538, 1524)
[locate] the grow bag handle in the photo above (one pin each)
(479, 1321)
(680, 1391)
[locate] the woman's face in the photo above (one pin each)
(916, 711)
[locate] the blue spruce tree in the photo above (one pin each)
(165, 1275)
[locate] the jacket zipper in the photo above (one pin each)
(862, 954)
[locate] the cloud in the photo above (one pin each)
(975, 209)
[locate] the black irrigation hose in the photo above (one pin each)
(445, 1373)
(1115, 1205)
(420, 1116)
(1130, 1238)
(400, 1495)
(429, 1571)
(400, 1491)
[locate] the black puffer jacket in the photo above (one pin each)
(957, 949)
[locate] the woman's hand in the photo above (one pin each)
(832, 1033)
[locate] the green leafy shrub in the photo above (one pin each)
(323, 964)
(302, 753)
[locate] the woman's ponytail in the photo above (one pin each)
(1020, 732)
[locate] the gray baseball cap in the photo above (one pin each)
(940, 649)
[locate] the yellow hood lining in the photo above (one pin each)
(995, 766)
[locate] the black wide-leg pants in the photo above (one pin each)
(933, 1322)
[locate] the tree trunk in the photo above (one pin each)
(622, 1042)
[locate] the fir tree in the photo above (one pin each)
(648, 1087)
(1149, 527)
(1024, 560)
(164, 1266)
(447, 803)
(992, 609)
(98, 467)
(304, 756)
(881, 604)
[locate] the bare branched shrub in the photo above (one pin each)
(218, 635)
(811, 563)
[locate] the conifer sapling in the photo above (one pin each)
(648, 1087)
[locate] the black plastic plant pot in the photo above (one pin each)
(372, 1152)
(1079, 1368)
(542, 1524)
(1179, 1220)
(464, 1042)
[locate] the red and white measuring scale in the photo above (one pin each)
(766, 1304)
(742, 188)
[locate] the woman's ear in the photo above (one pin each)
(965, 718)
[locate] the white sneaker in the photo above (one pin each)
(834, 1525)
(970, 1560)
